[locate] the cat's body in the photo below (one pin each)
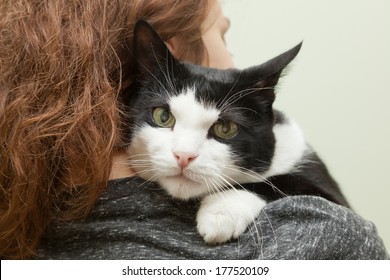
(213, 134)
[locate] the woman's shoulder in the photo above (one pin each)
(135, 219)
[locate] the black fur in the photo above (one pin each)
(161, 75)
(312, 178)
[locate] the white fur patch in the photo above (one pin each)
(193, 122)
(290, 147)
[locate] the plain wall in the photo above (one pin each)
(337, 89)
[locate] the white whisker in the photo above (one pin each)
(154, 77)
(258, 178)
(226, 98)
(239, 95)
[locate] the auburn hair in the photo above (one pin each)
(63, 65)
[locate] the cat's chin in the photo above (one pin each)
(182, 187)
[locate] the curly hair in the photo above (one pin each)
(63, 65)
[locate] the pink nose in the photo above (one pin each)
(184, 159)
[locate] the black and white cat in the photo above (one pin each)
(214, 135)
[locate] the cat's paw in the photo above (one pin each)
(218, 227)
(225, 216)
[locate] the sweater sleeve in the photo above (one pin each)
(307, 227)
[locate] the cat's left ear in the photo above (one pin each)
(150, 50)
(268, 73)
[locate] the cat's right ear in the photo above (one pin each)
(150, 50)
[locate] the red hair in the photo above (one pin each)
(60, 76)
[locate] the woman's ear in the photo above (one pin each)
(173, 44)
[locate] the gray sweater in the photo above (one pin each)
(136, 220)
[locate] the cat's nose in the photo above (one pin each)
(184, 159)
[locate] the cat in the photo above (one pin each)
(213, 135)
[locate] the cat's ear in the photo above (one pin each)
(268, 73)
(150, 50)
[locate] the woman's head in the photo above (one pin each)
(210, 40)
(62, 66)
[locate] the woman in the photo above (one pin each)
(63, 65)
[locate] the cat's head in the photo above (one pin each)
(196, 130)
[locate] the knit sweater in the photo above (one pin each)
(138, 220)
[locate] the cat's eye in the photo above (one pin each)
(163, 118)
(225, 129)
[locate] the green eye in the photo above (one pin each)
(225, 130)
(163, 118)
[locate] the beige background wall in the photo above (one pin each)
(338, 88)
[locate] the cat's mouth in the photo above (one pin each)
(185, 178)
(180, 177)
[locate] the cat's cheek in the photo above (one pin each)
(226, 215)
(152, 145)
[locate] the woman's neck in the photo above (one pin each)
(120, 166)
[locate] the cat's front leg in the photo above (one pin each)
(225, 215)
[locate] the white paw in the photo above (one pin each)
(224, 216)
